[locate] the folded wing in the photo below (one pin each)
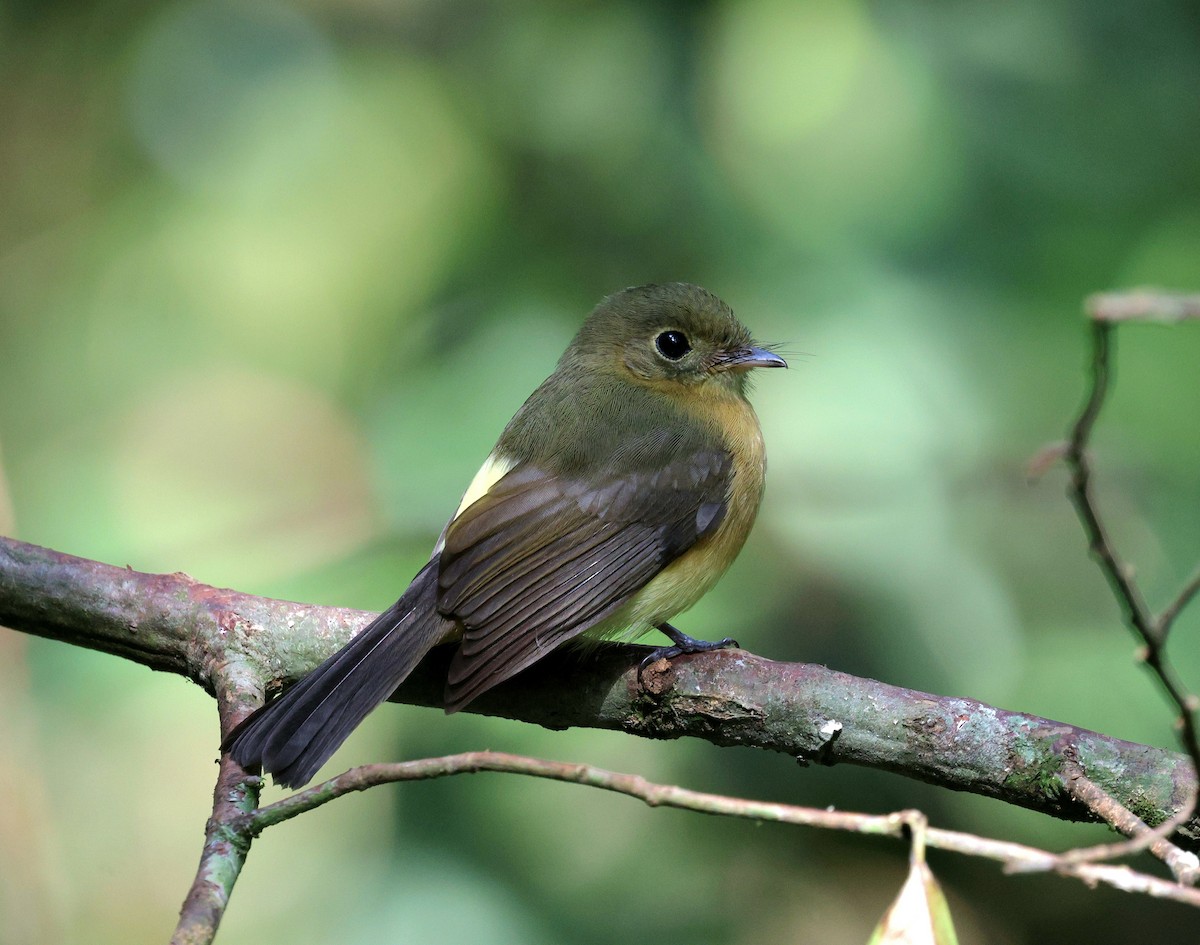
(543, 557)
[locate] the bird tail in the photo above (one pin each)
(293, 736)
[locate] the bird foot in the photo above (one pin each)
(681, 643)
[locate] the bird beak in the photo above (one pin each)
(743, 359)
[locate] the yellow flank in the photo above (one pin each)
(685, 580)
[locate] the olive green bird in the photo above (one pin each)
(614, 499)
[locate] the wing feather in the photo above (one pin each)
(542, 557)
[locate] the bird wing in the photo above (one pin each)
(542, 557)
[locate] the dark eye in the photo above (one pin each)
(672, 345)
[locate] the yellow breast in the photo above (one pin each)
(685, 580)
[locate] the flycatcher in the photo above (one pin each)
(615, 498)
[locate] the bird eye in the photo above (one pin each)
(672, 345)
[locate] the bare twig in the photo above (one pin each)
(1152, 305)
(1167, 618)
(1105, 311)
(1184, 865)
(1015, 857)
(1100, 545)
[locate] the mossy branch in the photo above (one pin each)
(237, 646)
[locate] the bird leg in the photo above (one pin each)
(681, 643)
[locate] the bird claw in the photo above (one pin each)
(681, 644)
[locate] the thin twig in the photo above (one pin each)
(1104, 312)
(1138, 843)
(1015, 857)
(1167, 618)
(1119, 575)
(1151, 305)
(1184, 865)
(918, 831)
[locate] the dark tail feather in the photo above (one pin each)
(293, 736)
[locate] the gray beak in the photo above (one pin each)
(744, 359)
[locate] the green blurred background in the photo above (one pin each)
(272, 278)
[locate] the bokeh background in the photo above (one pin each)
(273, 276)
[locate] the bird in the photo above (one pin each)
(617, 495)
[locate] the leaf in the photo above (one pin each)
(919, 916)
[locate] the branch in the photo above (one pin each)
(1183, 865)
(1016, 857)
(225, 844)
(168, 622)
(230, 641)
(1167, 617)
(1106, 311)
(1146, 305)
